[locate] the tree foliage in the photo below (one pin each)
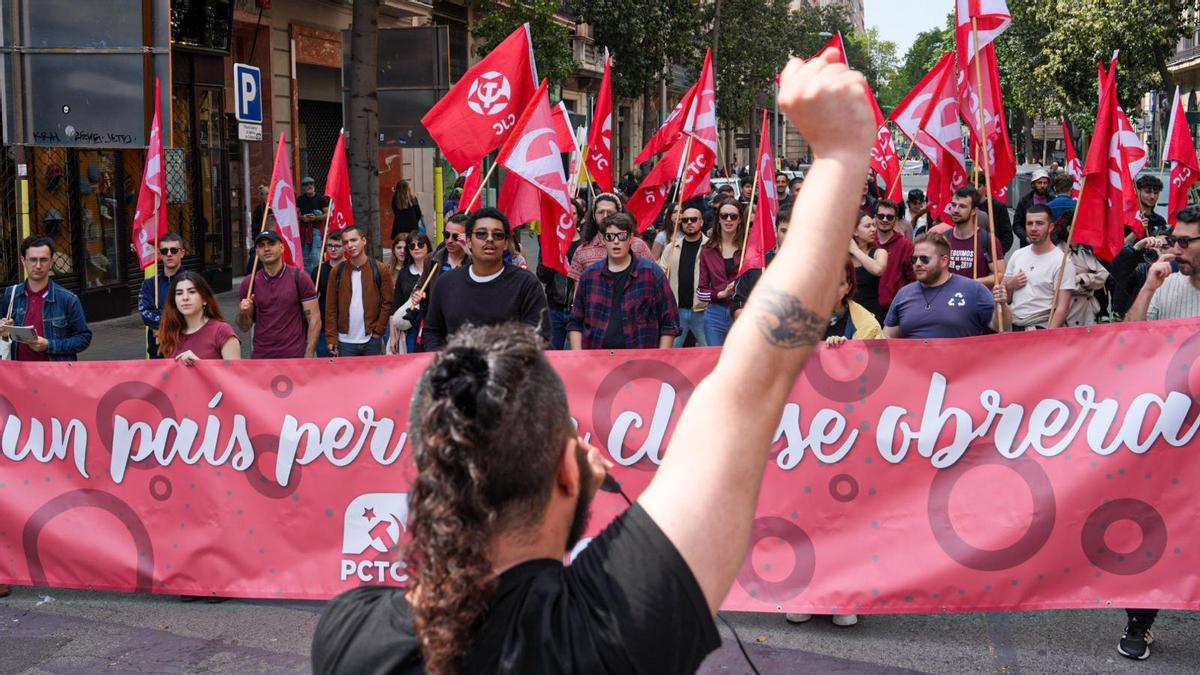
(645, 38)
(754, 42)
(922, 56)
(551, 39)
(1049, 55)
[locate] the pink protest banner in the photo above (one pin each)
(1028, 471)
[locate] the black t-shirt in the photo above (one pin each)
(628, 604)
(688, 253)
(307, 206)
(457, 300)
(730, 267)
(614, 334)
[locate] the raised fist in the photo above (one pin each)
(827, 102)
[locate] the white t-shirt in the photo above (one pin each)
(1031, 303)
(358, 334)
(1177, 298)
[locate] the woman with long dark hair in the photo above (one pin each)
(670, 225)
(406, 211)
(870, 262)
(192, 327)
(412, 255)
(719, 261)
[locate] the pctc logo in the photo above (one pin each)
(374, 521)
(489, 94)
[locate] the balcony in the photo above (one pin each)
(1183, 56)
(589, 59)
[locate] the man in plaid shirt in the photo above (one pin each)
(623, 301)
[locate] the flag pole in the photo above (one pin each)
(687, 152)
(324, 239)
(482, 186)
(899, 173)
(749, 219)
(1066, 254)
(254, 267)
(987, 172)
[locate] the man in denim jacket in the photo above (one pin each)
(53, 311)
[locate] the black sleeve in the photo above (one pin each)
(433, 334)
(366, 630)
(637, 583)
(1018, 223)
(745, 286)
(534, 309)
(1003, 226)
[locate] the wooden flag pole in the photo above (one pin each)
(482, 186)
(324, 240)
(687, 152)
(907, 154)
(1066, 254)
(254, 267)
(749, 219)
(987, 173)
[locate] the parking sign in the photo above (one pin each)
(247, 82)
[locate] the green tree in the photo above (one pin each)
(646, 39)
(753, 47)
(551, 38)
(922, 56)
(812, 27)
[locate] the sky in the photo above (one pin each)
(901, 20)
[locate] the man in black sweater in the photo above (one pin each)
(487, 291)
(331, 257)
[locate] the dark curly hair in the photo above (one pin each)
(478, 474)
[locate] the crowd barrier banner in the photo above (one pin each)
(1026, 471)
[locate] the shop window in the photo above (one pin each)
(51, 202)
(98, 217)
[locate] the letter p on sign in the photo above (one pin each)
(248, 92)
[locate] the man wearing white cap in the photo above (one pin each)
(1040, 194)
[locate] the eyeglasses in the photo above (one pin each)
(169, 251)
(333, 244)
(414, 245)
(485, 235)
(923, 259)
(689, 219)
(1182, 242)
(616, 236)
(730, 216)
(888, 217)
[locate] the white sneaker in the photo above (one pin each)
(845, 620)
(797, 618)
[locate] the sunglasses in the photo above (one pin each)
(169, 251)
(730, 216)
(886, 217)
(485, 235)
(456, 236)
(923, 259)
(616, 236)
(412, 246)
(689, 219)
(1182, 242)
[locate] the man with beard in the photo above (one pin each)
(1165, 295)
(1033, 273)
(1040, 194)
(970, 248)
(782, 193)
(487, 291)
(899, 271)
(680, 261)
(503, 481)
(941, 304)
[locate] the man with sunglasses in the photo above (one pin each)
(897, 274)
(624, 301)
(170, 262)
(680, 260)
(487, 291)
(1166, 295)
(941, 304)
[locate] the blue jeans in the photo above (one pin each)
(558, 328)
(410, 339)
(717, 320)
(693, 322)
(323, 347)
(372, 347)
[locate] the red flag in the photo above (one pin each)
(283, 205)
(929, 116)
(884, 159)
(477, 115)
(599, 147)
(471, 187)
(648, 200)
(337, 188)
(563, 132)
(1109, 191)
(1181, 152)
(532, 153)
(701, 126)
(1074, 168)
(938, 193)
(1001, 164)
(991, 19)
(671, 129)
(762, 229)
(150, 219)
(520, 200)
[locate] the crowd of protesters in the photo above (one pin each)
(680, 283)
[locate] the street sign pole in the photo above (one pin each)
(248, 111)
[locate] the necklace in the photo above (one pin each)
(929, 300)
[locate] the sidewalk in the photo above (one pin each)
(125, 338)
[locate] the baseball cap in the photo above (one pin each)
(306, 180)
(1039, 174)
(269, 235)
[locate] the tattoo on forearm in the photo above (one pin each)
(785, 322)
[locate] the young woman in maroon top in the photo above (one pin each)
(719, 261)
(192, 327)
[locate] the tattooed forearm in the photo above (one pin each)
(785, 322)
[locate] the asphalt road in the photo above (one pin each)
(45, 630)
